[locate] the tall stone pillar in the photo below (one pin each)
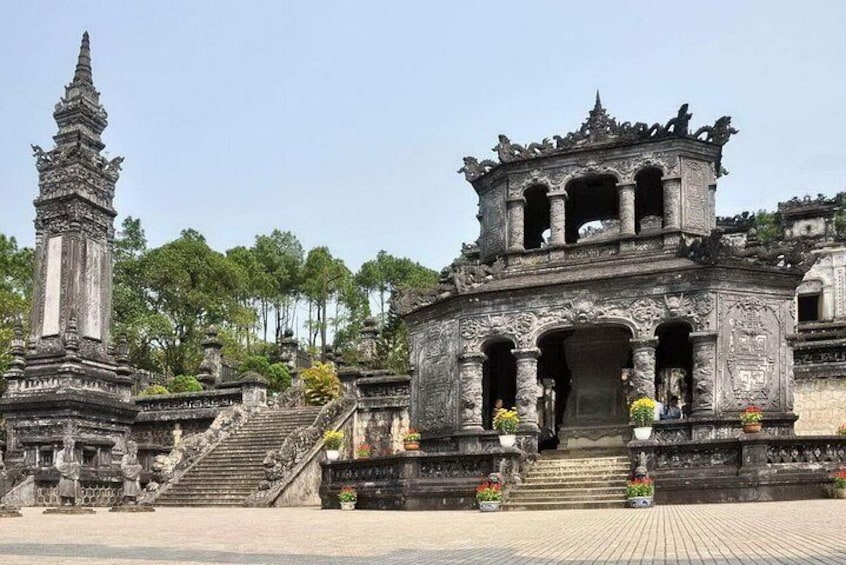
(516, 208)
(626, 195)
(210, 368)
(704, 345)
(672, 203)
(557, 217)
(643, 359)
(471, 391)
(712, 206)
(527, 387)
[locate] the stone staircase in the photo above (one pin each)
(227, 475)
(561, 480)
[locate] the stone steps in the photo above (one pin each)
(233, 470)
(556, 482)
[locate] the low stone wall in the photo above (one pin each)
(754, 467)
(382, 416)
(416, 480)
(820, 404)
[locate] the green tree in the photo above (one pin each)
(280, 256)
(379, 277)
(323, 279)
(16, 271)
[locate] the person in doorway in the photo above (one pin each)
(672, 411)
(498, 405)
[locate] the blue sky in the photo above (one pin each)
(345, 122)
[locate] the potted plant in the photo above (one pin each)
(642, 413)
(751, 419)
(411, 440)
(348, 497)
(363, 451)
(841, 431)
(840, 484)
(639, 493)
(506, 422)
(489, 496)
(332, 441)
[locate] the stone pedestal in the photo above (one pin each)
(132, 508)
(70, 510)
(9, 512)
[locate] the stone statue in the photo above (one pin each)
(131, 471)
(68, 467)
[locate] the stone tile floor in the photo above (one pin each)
(804, 532)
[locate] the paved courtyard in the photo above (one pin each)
(806, 532)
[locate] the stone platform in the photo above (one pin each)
(69, 510)
(8, 512)
(132, 508)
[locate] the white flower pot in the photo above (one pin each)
(640, 502)
(489, 505)
(507, 440)
(644, 433)
(332, 454)
(348, 506)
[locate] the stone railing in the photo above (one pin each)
(819, 450)
(587, 251)
(168, 469)
(298, 450)
(417, 480)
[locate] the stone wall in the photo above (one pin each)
(820, 405)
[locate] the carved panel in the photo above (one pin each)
(435, 356)
(52, 287)
(492, 209)
(695, 196)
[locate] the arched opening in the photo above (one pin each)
(809, 301)
(674, 366)
(649, 200)
(592, 200)
(580, 370)
(536, 217)
(499, 378)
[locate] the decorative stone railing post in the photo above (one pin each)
(557, 217)
(527, 387)
(253, 390)
(210, 368)
(704, 346)
(288, 347)
(368, 337)
(626, 196)
(515, 223)
(471, 391)
(672, 203)
(643, 359)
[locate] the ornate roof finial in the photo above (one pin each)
(598, 104)
(82, 74)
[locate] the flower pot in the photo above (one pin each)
(348, 505)
(332, 454)
(507, 440)
(643, 433)
(840, 493)
(752, 427)
(411, 445)
(640, 502)
(489, 505)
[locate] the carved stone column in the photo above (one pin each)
(471, 390)
(527, 387)
(626, 195)
(712, 205)
(672, 203)
(643, 359)
(557, 219)
(704, 345)
(515, 223)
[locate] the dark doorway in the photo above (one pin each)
(536, 217)
(591, 200)
(809, 308)
(552, 366)
(499, 379)
(649, 200)
(674, 364)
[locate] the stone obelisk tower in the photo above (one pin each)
(69, 381)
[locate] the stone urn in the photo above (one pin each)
(752, 427)
(507, 440)
(411, 445)
(333, 454)
(639, 502)
(643, 433)
(489, 505)
(348, 505)
(840, 493)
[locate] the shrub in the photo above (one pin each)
(752, 415)
(333, 439)
(278, 378)
(184, 383)
(640, 487)
(841, 431)
(489, 492)
(320, 383)
(154, 390)
(506, 421)
(255, 363)
(347, 494)
(642, 412)
(840, 479)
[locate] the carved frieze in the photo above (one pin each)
(435, 386)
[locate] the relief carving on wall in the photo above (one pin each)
(752, 343)
(642, 315)
(436, 390)
(695, 186)
(492, 209)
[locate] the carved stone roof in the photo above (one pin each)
(600, 128)
(807, 206)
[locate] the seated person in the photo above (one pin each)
(672, 411)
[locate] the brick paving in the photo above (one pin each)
(803, 532)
